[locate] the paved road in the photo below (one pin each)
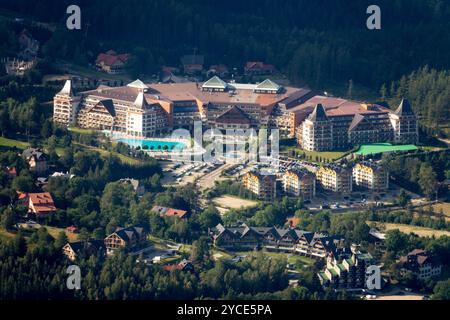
(207, 181)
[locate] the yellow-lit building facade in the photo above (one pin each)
(299, 184)
(336, 179)
(263, 186)
(371, 176)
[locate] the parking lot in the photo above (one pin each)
(183, 173)
(357, 200)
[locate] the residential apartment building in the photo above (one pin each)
(371, 175)
(299, 183)
(346, 270)
(263, 186)
(309, 244)
(335, 178)
(422, 264)
(125, 239)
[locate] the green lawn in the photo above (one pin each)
(10, 143)
(374, 148)
(81, 131)
(320, 157)
(123, 158)
(54, 232)
(88, 72)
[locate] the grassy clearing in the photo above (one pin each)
(232, 202)
(323, 156)
(88, 72)
(444, 206)
(81, 131)
(420, 231)
(54, 232)
(219, 254)
(11, 143)
(106, 153)
(5, 235)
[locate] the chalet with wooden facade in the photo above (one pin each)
(305, 243)
(73, 250)
(36, 159)
(125, 239)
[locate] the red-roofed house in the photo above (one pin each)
(41, 204)
(111, 62)
(170, 212)
(258, 68)
(184, 265)
(72, 229)
(293, 222)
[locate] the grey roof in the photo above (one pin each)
(215, 83)
(127, 234)
(318, 114)
(138, 84)
(268, 85)
(311, 237)
(133, 182)
(78, 246)
(33, 152)
(404, 108)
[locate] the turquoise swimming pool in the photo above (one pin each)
(153, 145)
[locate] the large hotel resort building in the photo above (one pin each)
(319, 122)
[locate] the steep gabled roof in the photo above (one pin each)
(107, 104)
(127, 234)
(140, 101)
(404, 109)
(138, 84)
(268, 85)
(215, 83)
(233, 115)
(318, 114)
(67, 89)
(34, 152)
(357, 120)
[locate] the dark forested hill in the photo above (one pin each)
(311, 41)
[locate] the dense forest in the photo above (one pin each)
(313, 42)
